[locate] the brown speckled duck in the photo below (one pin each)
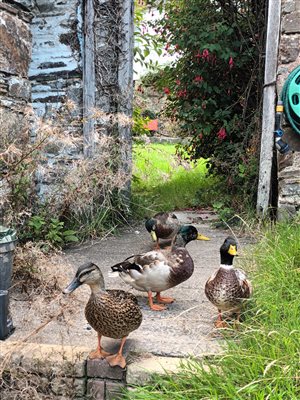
(159, 270)
(112, 313)
(162, 226)
(228, 286)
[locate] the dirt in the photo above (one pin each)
(185, 328)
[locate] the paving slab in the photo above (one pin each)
(184, 329)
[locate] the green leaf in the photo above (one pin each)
(71, 238)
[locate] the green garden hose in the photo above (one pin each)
(290, 97)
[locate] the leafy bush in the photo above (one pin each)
(214, 86)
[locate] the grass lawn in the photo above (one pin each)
(161, 183)
(262, 358)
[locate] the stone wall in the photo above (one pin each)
(56, 65)
(42, 53)
(55, 73)
(15, 88)
(289, 164)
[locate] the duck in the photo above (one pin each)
(228, 287)
(159, 270)
(111, 313)
(162, 225)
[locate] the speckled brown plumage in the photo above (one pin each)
(228, 287)
(113, 314)
(226, 290)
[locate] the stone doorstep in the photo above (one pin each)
(142, 369)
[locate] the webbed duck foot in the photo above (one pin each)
(166, 300)
(157, 307)
(116, 360)
(98, 353)
(219, 324)
(154, 307)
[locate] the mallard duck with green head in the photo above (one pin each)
(163, 225)
(159, 270)
(228, 287)
(112, 313)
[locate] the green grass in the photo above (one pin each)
(262, 358)
(161, 184)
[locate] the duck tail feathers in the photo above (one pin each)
(118, 268)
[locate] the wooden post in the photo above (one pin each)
(88, 81)
(125, 83)
(268, 118)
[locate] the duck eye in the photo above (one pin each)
(84, 274)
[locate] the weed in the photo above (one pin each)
(52, 230)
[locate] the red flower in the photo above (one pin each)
(167, 90)
(177, 46)
(182, 93)
(167, 46)
(231, 63)
(222, 134)
(200, 136)
(178, 82)
(205, 54)
(198, 56)
(198, 78)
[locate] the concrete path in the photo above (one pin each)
(185, 328)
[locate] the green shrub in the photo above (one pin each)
(52, 230)
(214, 85)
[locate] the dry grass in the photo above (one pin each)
(74, 189)
(36, 295)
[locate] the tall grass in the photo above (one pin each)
(162, 182)
(262, 361)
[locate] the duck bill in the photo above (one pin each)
(72, 286)
(154, 237)
(202, 237)
(232, 250)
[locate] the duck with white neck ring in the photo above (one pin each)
(112, 313)
(228, 287)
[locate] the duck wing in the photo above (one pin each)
(149, 271)
(245, 284)
(121, 295)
